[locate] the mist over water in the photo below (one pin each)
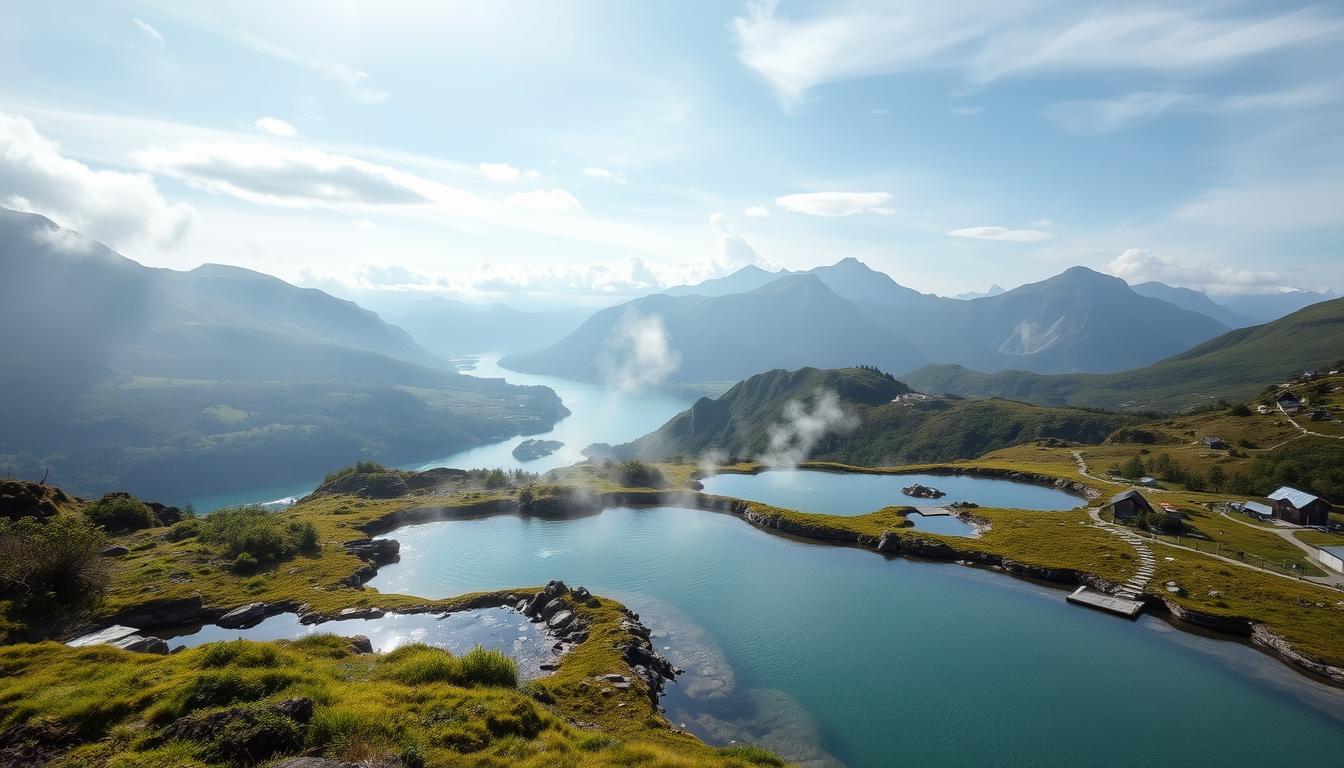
(598, 413)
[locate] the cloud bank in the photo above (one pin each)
(836, 204)
(1002, 233)
(793, 439)
(639, 353)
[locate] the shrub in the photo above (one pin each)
(637, 474)
(483, 666)
(118, 512)
(57, 563)
(261, 535)
(244, 562)
(1241, 409)
(496, 479)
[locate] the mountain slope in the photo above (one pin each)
(856, 281)
(120, 376)
(1234, 366)
(791, 322)
(448, 327)
(1267, 307)
(748, 278)
(893, 426)
(1195, 301)
(1079, 320)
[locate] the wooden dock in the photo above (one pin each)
(1121, 606)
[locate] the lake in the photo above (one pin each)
(843, 493)
(598, 414)
(836, 655)
(502, 629)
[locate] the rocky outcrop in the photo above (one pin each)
(166, 613)
(244, 735)
(246, 616)
(1284, 650)
(21, 498)
(555, 606)
(163, 514)
(376, 551)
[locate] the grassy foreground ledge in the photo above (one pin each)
(246, 703)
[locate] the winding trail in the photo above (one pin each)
(1303, 429)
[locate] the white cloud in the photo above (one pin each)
(150, 32)
(123, 210)
(966, 111)
(301, 177)
(1101, 115)
(501, 172)
(835, 204)
(603, 173)
(547, 201)
(276, 127)
(793, 438)
(1139, 265)
(1001, 233)
(532, 174)
(356, 82)
(987, 40)
(757, 212)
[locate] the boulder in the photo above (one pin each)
(116, 550)
(142, 644)
(360, 613)
(560, 619)
(248, 615)
(376, 551)
(361, 644)
(918, 491)
(103, 636)
(553, 607)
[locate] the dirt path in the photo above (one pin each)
(1333, 580)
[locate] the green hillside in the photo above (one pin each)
(891, 424)
(1234, 366)
(119, 376)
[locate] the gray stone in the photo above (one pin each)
(560, 619)
(142, 644)
(361, 644)
(103, 636)
(249, 615)
(116, 550)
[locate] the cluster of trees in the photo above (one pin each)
(1315, 465)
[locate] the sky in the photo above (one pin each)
(588, 152)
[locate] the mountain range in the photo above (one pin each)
(849, 314)
(792, 321)
(1233, 366)
(156, 381)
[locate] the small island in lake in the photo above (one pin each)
(531, 450)
(922, 492)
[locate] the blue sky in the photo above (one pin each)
(585, 152)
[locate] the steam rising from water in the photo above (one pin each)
(792, 440)
(639, 353)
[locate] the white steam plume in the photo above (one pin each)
(792, 440)
(639, 353)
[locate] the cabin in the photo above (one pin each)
(1149, 482)
(1257, 510)
(1288, 401)
(1332, 558)
(1309, 375)
(1127, 506)
(1214, 443)
(1320, 414)
(1299, 507)
(1262, 409)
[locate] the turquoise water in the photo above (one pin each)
(502, 629)
(836, 655)
(839, 493)
(598, 415)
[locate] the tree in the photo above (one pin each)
(1217, 477)
(1133, 468)
(52, 564)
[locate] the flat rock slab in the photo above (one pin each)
(103, 636)
(1104, 602)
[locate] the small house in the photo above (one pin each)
(1309, 375)
(1148, 482)
(1214, 443)
(1287, 400)
(1127, 506)
(1299, 507)
(1262, 409)
(1320, 414)
(1257, 510)
(1332, 558)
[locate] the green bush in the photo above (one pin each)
(483, 666)
(637, 474)
(115, 512)
(419, 664)
(261, 535)
(53, 564)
